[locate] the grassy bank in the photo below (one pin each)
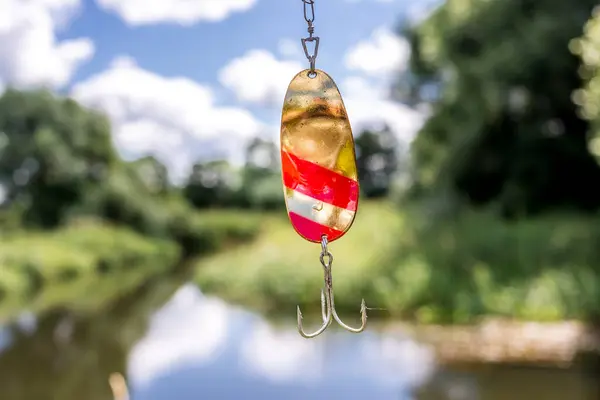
(279, 269)
(69, 266)
(413, 266)
(452, 270)
(541, 269)
(90, 263)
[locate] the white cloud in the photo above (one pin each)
(383, 53)
(290, 48)
(189, 328)
(399, 360)
(176, 119)
(259, 77)
(356, 86)
(367, 105)
(185, 12)
(281, 355)
(381, 58)
(30, 54)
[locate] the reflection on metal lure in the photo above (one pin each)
(319, 168)
(317, 159)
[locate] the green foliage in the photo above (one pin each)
(588, 98)
(212, 184)
(261, 180)
(473, 264)
(34, 265)
(453, 270)
(201, 233)
(51, 152)
(279, 269)
(514, 101)
(57, 163)
(376, 161)
(504, 128)
(122, 198)
(216, 184)
(152, 174)
(89, 262)
(79, 225)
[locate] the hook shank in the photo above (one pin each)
(328, 311)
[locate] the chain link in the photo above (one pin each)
(309, 17)
(326, 257)
(309, 12)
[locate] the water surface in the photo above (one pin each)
(179, 345)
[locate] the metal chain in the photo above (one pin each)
(309, 12)
(309, 17)
(326, 259)
(325, 253)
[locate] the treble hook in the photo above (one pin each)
(327, 301)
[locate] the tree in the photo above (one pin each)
(588, 98)
(261, 181)
(376, 161)
(504, 129)
(52, 150)
(153, 174)
(211, 184)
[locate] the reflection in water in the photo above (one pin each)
(173, 343)
(200, 346)
(185, 330)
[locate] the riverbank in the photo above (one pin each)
(90, 263)
(505, 342)
(477, 290)
(258, 261)
(422, 269)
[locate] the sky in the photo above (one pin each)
(189, 80)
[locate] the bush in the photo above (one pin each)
(280, 269)
(203, 232)
(32, 261)
(434, 270)
(474, 264)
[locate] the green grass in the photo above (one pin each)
(545, 268)
(89, 263)
(43, 270)
(417, 267)
(280, 269)
(404, 260)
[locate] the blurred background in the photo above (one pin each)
(145, 251)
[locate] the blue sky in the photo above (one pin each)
(198, 51)
(187, 80)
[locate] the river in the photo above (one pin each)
(177, 344)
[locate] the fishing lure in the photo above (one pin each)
(318, 165)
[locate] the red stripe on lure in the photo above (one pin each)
(312, 230)
(319, 183)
